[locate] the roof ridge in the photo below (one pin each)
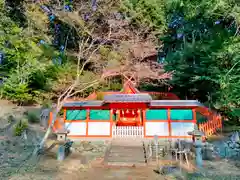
(131, 86)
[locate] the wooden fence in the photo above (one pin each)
(127, 131)
(213, 125)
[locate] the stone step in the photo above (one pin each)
(125, 159)
(126, 151)
(126, 155)
(132, 155)
(126, 148)
(126, 164)
(127, 144)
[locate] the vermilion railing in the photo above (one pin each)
(212, 125)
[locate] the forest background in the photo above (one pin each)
(197, 41)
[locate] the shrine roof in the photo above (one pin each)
(179, 103)
(127, 98)
(83, 104)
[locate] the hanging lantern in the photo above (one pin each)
(123, 112)
(127, 111)
(133, 112)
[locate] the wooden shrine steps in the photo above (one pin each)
(127, 153)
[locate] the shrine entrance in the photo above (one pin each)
(128, 117)
(128, 123)
(127, 110)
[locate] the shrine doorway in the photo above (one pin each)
(128, 117)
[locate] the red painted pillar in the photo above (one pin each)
(169, 123)
(64, 114)
(194, 116)
(138, 116)
(144, 121)
(87, 120)
(111, 122)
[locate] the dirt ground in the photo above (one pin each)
(72, 169)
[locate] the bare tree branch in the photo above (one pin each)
(69, 91)
(85, 88)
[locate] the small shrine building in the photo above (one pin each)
(131, 113)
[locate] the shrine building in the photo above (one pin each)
(131, 113)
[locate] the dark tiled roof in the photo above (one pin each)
(83, 104)
(134, 98)
(175, 103)
(127, 98)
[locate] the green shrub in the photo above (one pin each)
(33, 117)
(18, 93)
(20, 127)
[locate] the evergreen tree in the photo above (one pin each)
(202, 48)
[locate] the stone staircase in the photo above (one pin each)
(126, 152)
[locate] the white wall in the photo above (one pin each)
(181, 128)
(76, 128)
(99, 128)
(156, 128)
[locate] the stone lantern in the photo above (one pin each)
(62, 135)
(197, 142)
